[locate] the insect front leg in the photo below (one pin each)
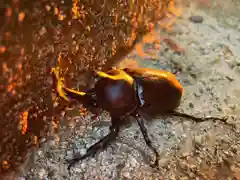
(147, 139)
(100, 145)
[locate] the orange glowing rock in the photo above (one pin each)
(23, 123)
(3, 49)
(8, 12)
(139, 49)
(5, 164)
(21, 16)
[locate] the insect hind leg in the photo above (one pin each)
(199, 119)
(147, 139)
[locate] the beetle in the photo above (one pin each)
(129, 92)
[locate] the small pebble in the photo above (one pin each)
(183, 165)
(196, 19)
(69, 153)
(40, 153)
(191, 105)
(42, 173)
(126, 175)
(198, 140)
(52, 143)
(83, 151)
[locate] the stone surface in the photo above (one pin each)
(210, 73)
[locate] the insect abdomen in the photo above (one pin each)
(161, 91)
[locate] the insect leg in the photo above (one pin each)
(199, 119)
(147, 139)
(100, 145)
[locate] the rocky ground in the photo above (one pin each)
(209, 69)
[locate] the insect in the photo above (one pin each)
(129, 92)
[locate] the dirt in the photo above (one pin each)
(209, 69)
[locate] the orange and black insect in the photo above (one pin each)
(129, 92)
